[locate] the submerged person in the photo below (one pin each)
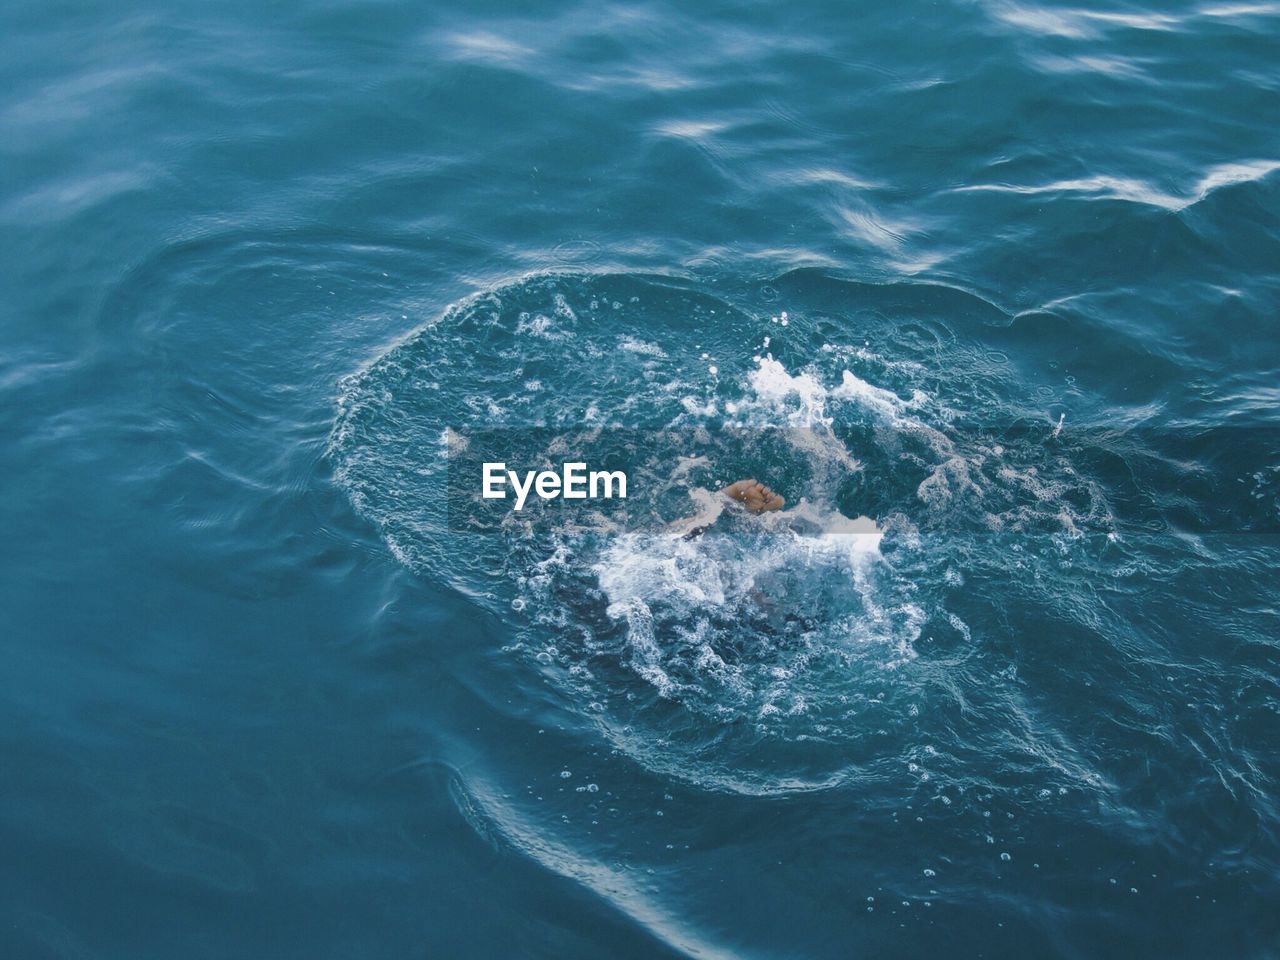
(781, 593)
(754, 495)
(751, 493)
(763, 589)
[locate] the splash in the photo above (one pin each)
(759, 656)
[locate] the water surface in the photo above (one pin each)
(1001, 276)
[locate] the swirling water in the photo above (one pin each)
(1003, 277)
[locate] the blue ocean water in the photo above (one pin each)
(1002, 276)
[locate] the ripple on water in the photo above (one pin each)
(577, 251)
(770, 655)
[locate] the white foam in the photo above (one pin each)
(643, 347)
(683, 601)
(882, 401)
(772, 384)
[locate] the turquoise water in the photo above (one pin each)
(1002, 277)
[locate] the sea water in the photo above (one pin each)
(987, 291)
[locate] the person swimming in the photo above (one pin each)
(755, 496)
